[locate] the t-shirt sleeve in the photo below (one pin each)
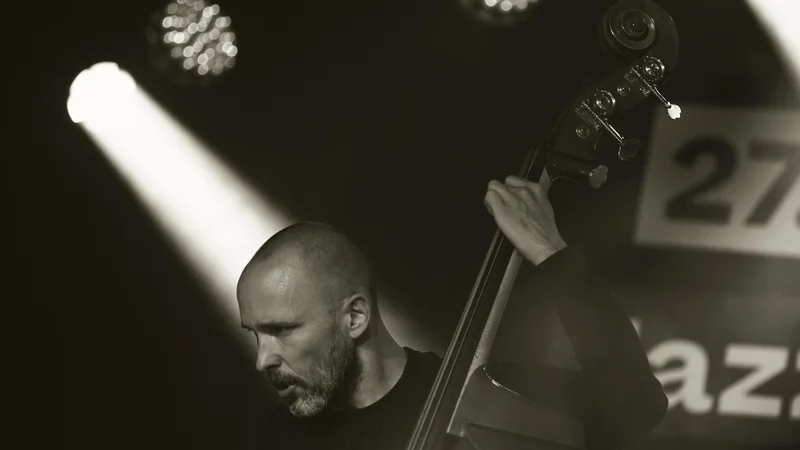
(623, 401)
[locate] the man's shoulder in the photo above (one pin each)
(423, 355)
(424, 362)
(420, 352)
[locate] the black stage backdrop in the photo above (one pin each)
(386, 119)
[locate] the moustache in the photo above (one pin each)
(281, 380)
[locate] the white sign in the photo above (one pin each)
(723, 179)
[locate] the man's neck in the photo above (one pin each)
(383, 361)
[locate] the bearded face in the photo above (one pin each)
(328, 383)
(304, 348)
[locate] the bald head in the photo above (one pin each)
(308, 296)
(318, 255)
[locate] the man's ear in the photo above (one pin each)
(358, 314)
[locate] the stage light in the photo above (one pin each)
(193, 41)
(100, 93)
(779, 20)
(499, 12)
(215, 219)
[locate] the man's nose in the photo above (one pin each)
(267, 358)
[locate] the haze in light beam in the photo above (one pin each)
(216, 220)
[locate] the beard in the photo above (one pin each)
(330, 385)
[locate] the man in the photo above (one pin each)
(309, 297)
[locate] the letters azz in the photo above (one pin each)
(685, 383)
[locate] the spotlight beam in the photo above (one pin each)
(214, 218)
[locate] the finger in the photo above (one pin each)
(545, 182)
(492, 200)
(515, 181)
(501, 190)
(521, 185)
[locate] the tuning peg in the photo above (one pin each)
(628, 147)
(673, 111)
(650, 72)
(581, 172)
(597, 176)
(600, 104)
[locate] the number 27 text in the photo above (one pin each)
(685, 205)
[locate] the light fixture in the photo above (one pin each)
(193, 41)
(500, 12)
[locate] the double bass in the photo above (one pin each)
(466, 404)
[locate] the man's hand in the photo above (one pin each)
(524, 215)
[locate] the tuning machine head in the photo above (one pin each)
(582, 172)
(595, 111)
(643, 39)
(628, 149)
(603, 103)
(651, 72)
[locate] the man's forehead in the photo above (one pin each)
(277, 275)
(280, 286)
(277, 278)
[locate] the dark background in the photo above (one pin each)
(384, 118)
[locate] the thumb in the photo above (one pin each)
(544, 181)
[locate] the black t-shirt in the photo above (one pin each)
(386, 424)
